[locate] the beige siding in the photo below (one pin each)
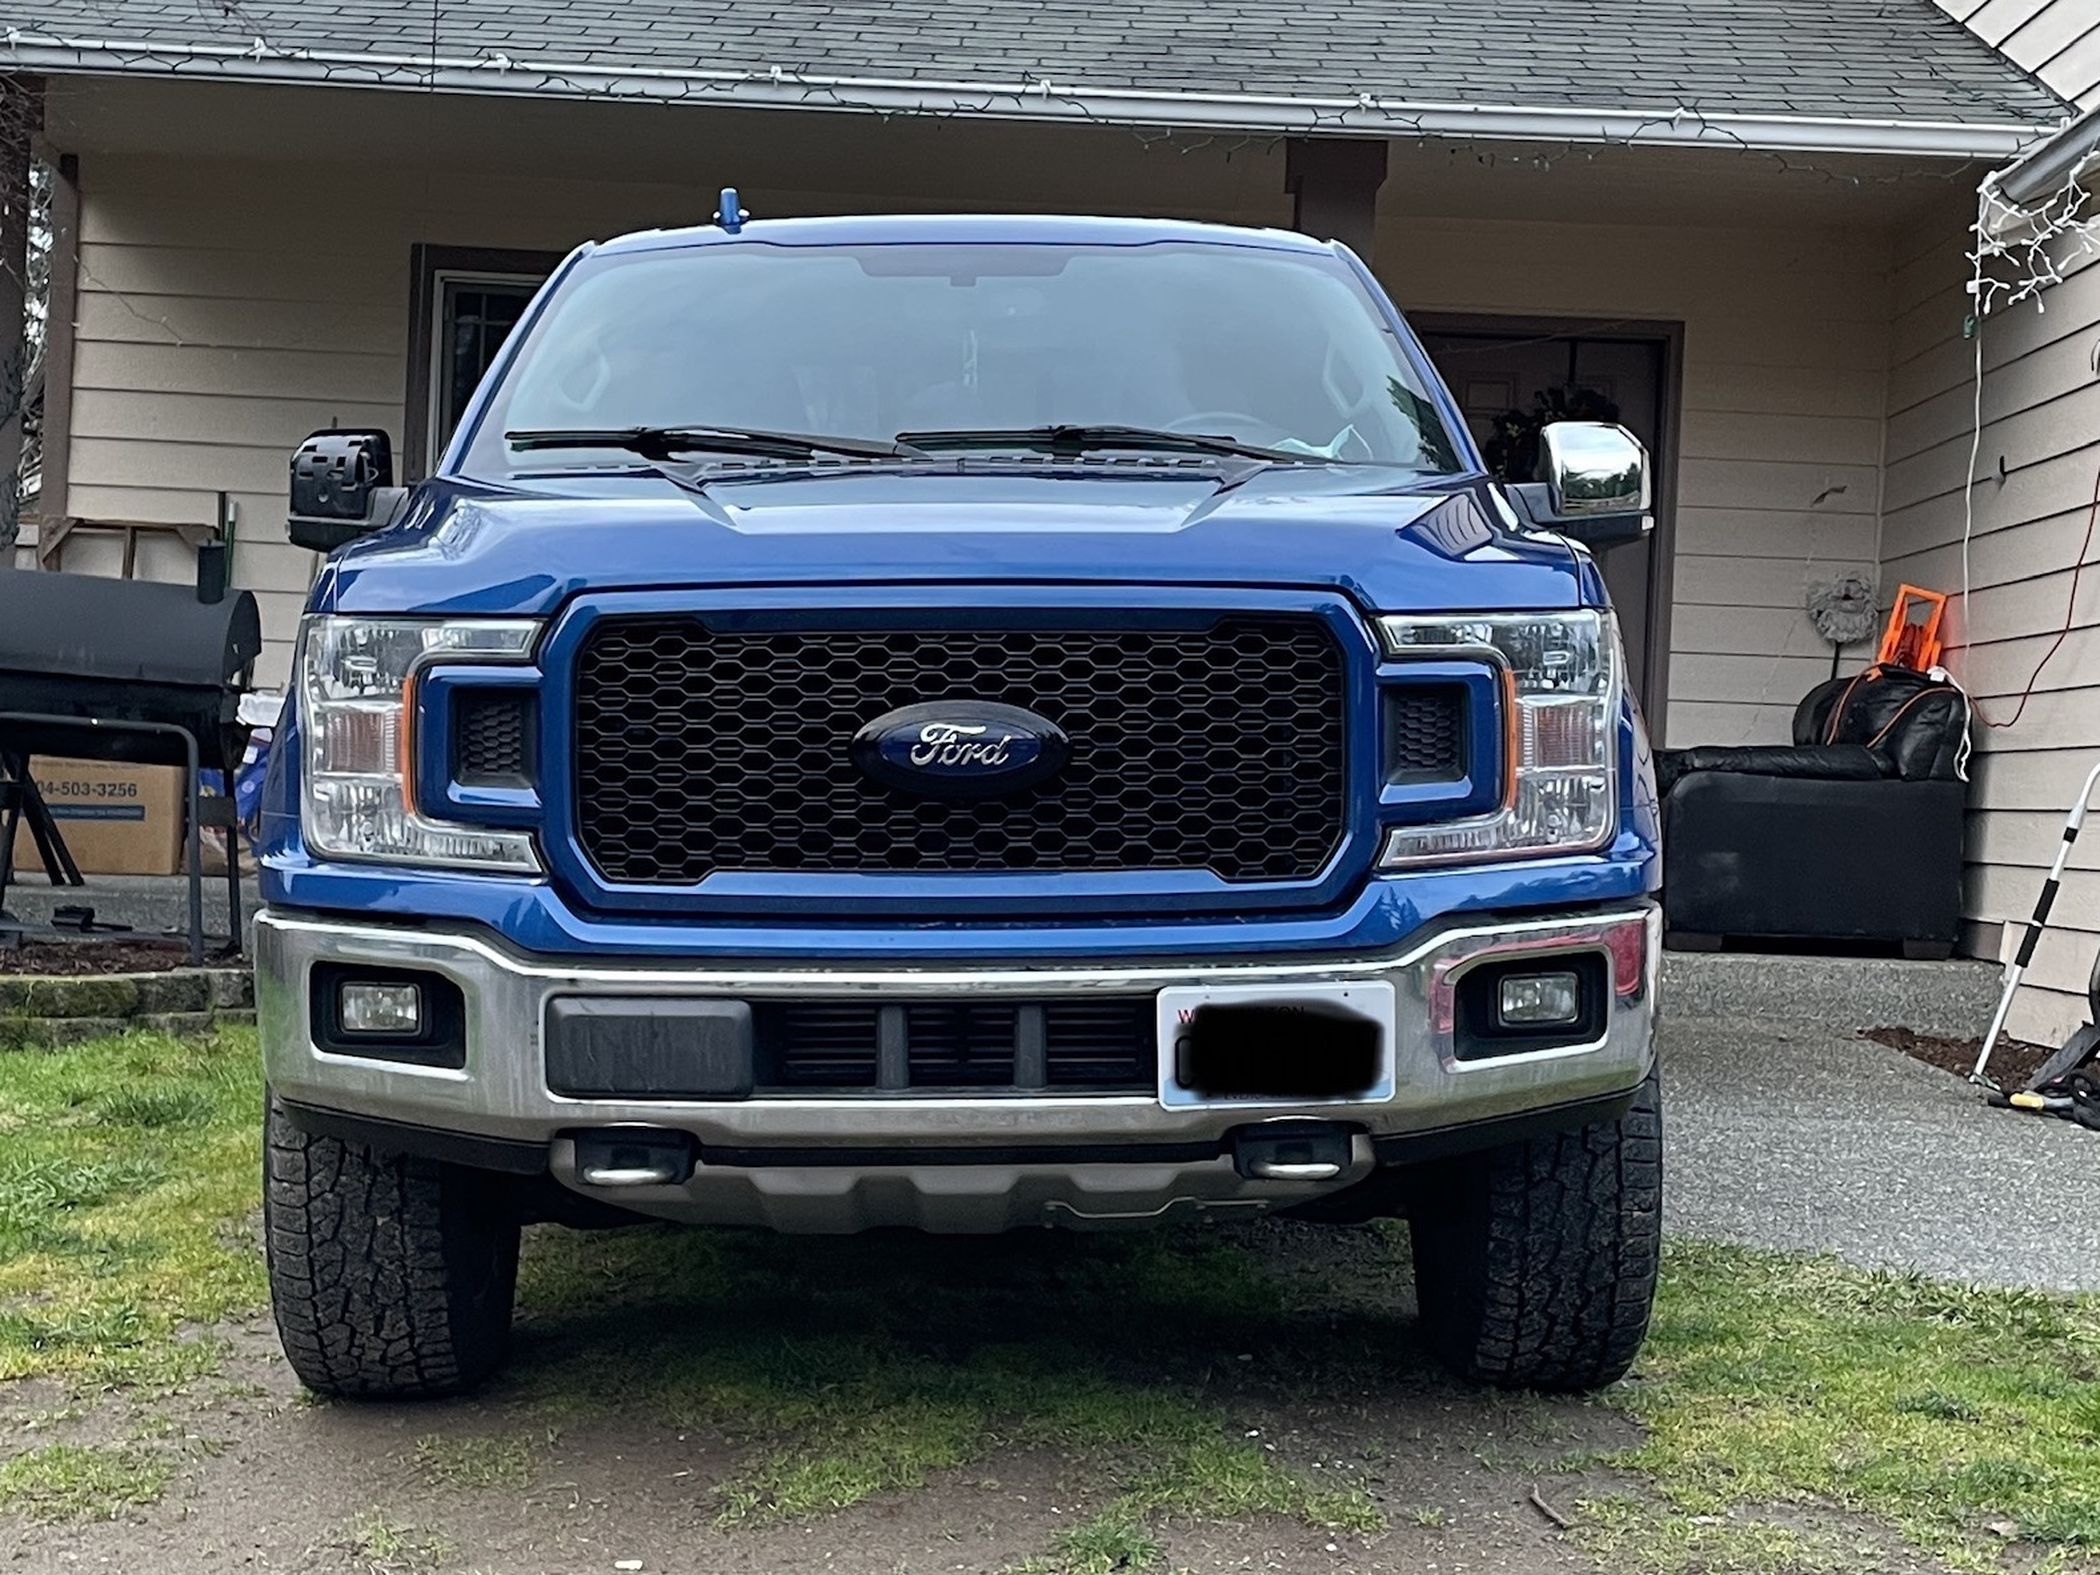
(206, 348)
(2057, 40)
(1785, 355)
(2041, 424)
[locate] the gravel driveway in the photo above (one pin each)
(1810, 1138)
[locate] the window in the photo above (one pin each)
(466, 301)
(475, 315)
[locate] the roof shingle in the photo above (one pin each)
(1846, 59)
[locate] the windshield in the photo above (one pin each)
(1274, 349)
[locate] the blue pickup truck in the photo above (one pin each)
(963, 724)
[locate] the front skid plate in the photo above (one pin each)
(961, 1199)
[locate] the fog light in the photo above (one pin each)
(367, 1008)
(1532, 1000)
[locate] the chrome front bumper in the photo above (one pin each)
(501, 1093)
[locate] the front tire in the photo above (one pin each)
(1536, 1263)
(392, 1277)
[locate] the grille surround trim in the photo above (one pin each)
(703, 750)
(844, 898)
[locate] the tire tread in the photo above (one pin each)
(1536, 1264)
(390, 1276)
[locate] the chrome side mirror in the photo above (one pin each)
(1592, 468)
(1596, 486)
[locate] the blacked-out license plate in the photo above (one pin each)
(1277, 1044)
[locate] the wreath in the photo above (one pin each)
(1512, 448)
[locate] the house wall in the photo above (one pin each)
(219, 322)
(2057, 40)
(2037, 475)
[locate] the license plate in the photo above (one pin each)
(1275, 1044)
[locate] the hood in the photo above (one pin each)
(526, 547)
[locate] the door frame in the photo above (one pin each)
(1662, 567)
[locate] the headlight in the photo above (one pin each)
(357, 679)
(1560, 685)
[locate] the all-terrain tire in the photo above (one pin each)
(1535, 1263)
(391, 1276)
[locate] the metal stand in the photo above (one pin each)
(22, 803)
(191, 798)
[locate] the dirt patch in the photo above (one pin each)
(2013, 1062)
(278, 1483)
(594, 1467)
(79, 959)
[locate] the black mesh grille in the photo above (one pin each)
(494, 733)
(1090, 1046)
(699, 750)
(1425, 733)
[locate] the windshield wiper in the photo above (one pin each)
(665, 442)
(1077, 439)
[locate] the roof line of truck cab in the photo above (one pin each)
(968, 229)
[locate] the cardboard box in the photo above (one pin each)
(116, 819)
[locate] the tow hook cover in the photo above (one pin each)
(1291, 1150)
(633, 1157)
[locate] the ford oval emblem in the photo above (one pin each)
(960, 748)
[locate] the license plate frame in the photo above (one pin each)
(1373, 1000)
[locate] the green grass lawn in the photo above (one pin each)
(1961, 1418)
(1931, 1421)
(130, 1171)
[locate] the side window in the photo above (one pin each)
(473, 314)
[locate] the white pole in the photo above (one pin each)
(2042, 904)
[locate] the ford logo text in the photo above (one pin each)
(960, 749)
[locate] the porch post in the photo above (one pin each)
(21, 120)
(1333, 183)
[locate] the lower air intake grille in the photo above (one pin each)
(494, 733)
(960, 1046)
(1425, 733)
(1108, 1044)
(1091, 1046)
(817, 1046)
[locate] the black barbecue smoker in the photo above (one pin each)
(129, 671)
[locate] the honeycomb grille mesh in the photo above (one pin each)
(1425, 733)
(492, 732)
(700, 750)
